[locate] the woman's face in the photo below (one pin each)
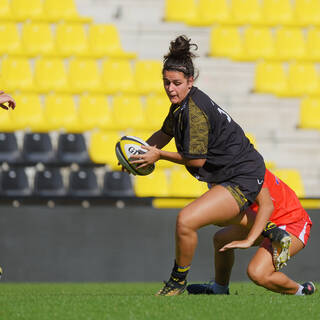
(177, 86)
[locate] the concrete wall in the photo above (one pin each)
(70, 243)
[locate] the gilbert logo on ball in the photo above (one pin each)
(127, 147)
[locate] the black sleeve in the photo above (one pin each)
(167, 126)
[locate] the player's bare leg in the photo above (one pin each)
(223, 261)
(261, 269)
(217, 206)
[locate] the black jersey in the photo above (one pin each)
(204, 130)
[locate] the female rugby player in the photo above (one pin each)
(215, 150)
(288, 214)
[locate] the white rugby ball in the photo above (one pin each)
(128, 146)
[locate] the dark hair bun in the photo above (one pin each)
(180, 48)
(180, 56)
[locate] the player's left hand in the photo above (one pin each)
(151, 156)
(239, 244)
(6, 101)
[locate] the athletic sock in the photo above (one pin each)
(179, 273)
(220, 289)
(299, 292)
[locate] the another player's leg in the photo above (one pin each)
(281, 242)
(261, 270)
(216, 206)
(223, 262)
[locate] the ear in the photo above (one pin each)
(190, 82)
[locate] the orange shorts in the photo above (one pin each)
(300, 229)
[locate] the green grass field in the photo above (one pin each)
(136, 301)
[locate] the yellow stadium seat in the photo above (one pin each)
(148, 76)
(153, 185)
(270, 165)
(16, 74)
(277, 12)
(104, 40)
(289, 44)
(313, 44)
(310, 113)
(211, 11)
(140, 133)
(50, 75)
(226, 42)
(94, 112)
(27, 10)
(258, 43)
(171, 147)
(252, 140)
(10, 39)
(117, 76)
(61, 113)
(84, 75)
(303, 79)
(37, 39)
(71, 40)
(128, 112)
(306, 12)
(245, 11)
(29, 113)
(270, 77)
(102, 148)
(157, 108)
(183, 184)
(5, 11)
(180, 10)
(62, 10)
(292, 178)
(6, 123)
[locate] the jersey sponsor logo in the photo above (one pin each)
(260, 181)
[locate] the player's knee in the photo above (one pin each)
(183, 224)
(257, 275)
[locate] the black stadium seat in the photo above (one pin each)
(49, 183)
(72, 149)
(37, 148)
(117, 184)
(9, 151)
(83, 183)
(14, 182)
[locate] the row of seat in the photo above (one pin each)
(81, 75)
(60, 111)
(63, 40)
(51, 183)
(240, 12)
(40, 10)
(65, 149)
(253, 43)
(83, 182)
(293, 80)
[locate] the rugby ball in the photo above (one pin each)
(128, 146)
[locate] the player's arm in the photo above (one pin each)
(154, 154)
(265, 210)
(159, 139)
